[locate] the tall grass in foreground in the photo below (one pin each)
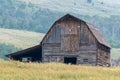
(55, 71)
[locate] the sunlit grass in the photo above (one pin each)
(55, 71)
(20, 38)
(115, 53)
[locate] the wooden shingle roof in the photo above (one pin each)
(98, 35)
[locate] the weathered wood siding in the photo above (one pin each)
(87, 45)
(70, 37)
(103, 55)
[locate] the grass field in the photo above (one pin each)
(80, 6)
(19, 38)
(55, 71)
(115, 53)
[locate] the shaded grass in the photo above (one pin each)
(55, 71)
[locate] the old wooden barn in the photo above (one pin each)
(69, 40)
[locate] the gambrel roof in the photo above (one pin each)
(97, 34)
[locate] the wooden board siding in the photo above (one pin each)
(90, 56)
(86, 36)
(52, 48)
(69, 36)
(55, 36)
(74, 43)
(84, 33)
(73, 37)
(103, 57)
(65, 43)
(54, 59)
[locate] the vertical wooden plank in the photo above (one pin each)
(79, 32)
(55, 36)
(65, 38)
(69, 36)
(82, 33)
(51, 38)
(58, 34)
(74, 43)
(65, 44)
(85, 34)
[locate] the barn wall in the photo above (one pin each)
(70, 38)
(103, 57)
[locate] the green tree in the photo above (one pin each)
(7, 49)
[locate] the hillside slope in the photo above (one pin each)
(55, 71)
(15, 40)
(83, 7)
(39, 15)
(19, 38)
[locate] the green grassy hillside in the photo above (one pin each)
(84, 7)
(19, 38)
(14, 40)
(115, 53)
(55, 71)
(7, 49)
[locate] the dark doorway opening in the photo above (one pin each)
(71, 60)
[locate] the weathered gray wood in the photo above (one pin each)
(58, 34)
(103, 56)
(55, 36)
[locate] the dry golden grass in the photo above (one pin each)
(55, 71)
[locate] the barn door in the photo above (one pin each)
(69, 39)
(74, 42)
(72, 60)
(65, 43)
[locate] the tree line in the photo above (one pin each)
(7, 49)
(15, 14)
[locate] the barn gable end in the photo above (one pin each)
(94, 31)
